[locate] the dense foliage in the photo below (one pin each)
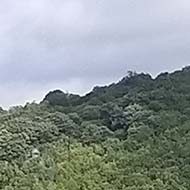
(132, 135)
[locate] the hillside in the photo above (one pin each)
(130, 135)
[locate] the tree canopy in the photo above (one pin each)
(130, 135)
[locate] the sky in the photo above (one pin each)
(74, 45)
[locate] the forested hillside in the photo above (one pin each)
(130, 135)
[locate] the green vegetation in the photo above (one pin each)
(132, 135)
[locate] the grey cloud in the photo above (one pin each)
(75, 44)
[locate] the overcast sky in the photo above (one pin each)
(75, 44)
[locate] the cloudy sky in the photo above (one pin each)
(76, 44)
